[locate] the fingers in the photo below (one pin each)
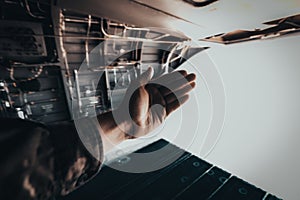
(173, 76)
(174, 86)
(171, 90)
(179, 93)
(176, 104)
(146, 76)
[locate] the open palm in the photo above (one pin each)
(148, 102)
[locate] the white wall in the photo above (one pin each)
(260, 141)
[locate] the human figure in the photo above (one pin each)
(39, 161)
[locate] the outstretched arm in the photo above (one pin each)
(146, 105)
(39, 162)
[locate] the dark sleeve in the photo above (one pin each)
(39, 162)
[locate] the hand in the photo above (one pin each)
(148, 102)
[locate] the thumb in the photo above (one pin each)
(146, 76)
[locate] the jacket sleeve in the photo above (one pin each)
(40, 162)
